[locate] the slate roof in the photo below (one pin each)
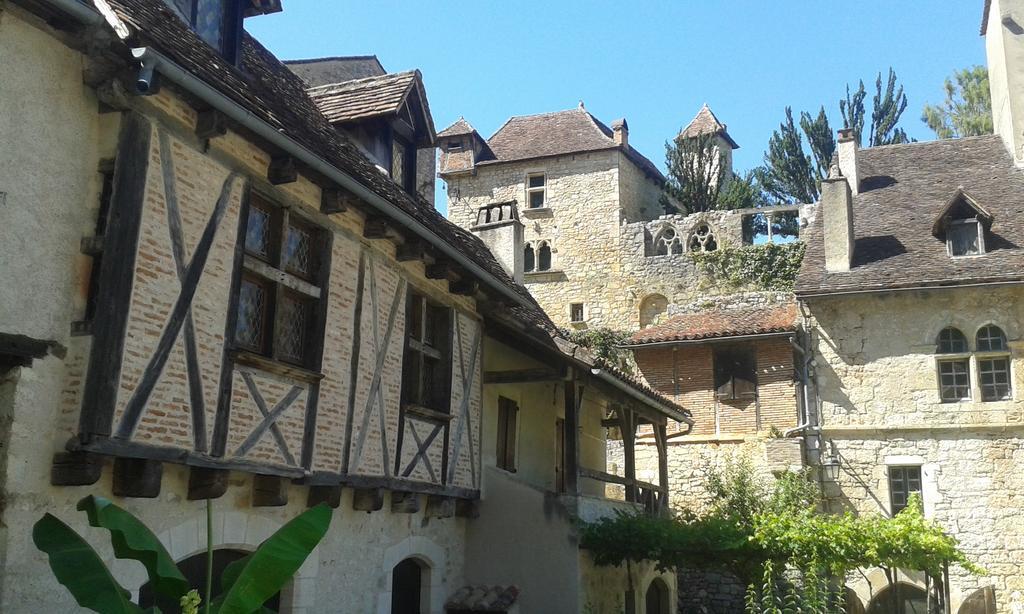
(458, 128)
(483, 598)
(364, 98)
(276, 96)
(903, 189)
(322, 71)
(721, 323)
(527, 137)
(705, 122)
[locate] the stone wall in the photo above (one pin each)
(877, 378)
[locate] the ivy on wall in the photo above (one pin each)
(604, 342)
(772, 266)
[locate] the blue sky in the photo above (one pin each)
(654, 63)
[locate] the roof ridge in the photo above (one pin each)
(951, 141)
(329, 58)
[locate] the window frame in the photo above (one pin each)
(506, 448)
(279, 283)
(582, 313)
(417, 351)
(906, 480)
(542, 189)
(232, 18)
(953, 359)
(980, 229)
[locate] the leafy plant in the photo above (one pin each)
(605, 343)
(248, 582)
(967, 109)
(772, 266)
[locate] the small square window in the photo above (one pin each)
(954, 380)
(576, 312)
(536, 196)
(964, 238)
(903, 482)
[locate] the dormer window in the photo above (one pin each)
(454, 146)
(965, 238)
(218, 22)
(962, 223)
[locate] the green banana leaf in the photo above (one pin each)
(80, 569)
(266, 570)
(133, 540)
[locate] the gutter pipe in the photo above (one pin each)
(636, 394)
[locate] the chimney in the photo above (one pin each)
(847, 147)
(620, 131)
(1004, 49)
(498, 226)
(837, 217)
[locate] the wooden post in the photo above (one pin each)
(627, 424)
(572, 436)
(661, 439)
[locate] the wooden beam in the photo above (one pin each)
(410, 250)
(376, 227)
(404, 502)
(465, 286)
(440, 507)
(137, 477)
(282, 170)
(331, 495)
(441, 269)
(75, 469)
(602, 476)
(368, 499)
(573, 398)
(333, 200)
(627, 425)
(206, 483)
(467, 508)
(269, 491)
(661, 439)
(525, 376)
(211, 123)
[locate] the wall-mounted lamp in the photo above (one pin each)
(830, 463)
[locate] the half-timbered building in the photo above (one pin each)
(209, 290)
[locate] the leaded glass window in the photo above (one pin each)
(544, 257)
(964, 238)
(277, 309)
(426, 368)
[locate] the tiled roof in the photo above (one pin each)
(460, 127)
(323, 71)
(903, 189)
(559, 133)
(483, 598)
(706, 123)
(276, 96)
(364, 98)
(721, 323)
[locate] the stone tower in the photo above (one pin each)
(705, 123)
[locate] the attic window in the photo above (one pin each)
(965, 238)
(454, 145)
(217, 22)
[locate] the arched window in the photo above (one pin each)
(544, 257)
(952, 341)
(528, 258)
(703, 239)
(194, 570)
(651, 309)
(656, 601)
(993, 370)
(667, 242)
(409, 587)
(954, 373)
(899, 598)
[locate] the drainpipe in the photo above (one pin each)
(805, 418)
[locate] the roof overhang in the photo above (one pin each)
(706, 340)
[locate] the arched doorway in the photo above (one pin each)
(410, 587)
(851, 602)
(899, 598)
(656, 601)
(194, 570)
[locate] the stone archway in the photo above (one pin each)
(652, 308)
(658, 598)
(899, 598)
(430, 559)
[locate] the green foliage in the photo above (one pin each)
(885, 115)
(852, 110)
(810, 592)
(788, 173)
(772, 266)
(605, 343)
(967, 109)
(741, 192)
(248, 582)
(695, 182)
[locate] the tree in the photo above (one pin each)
(821, 140)
(788, 173)
(967, 110)
(888, 108)
(696, 181)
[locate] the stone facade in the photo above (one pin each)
(878, 384)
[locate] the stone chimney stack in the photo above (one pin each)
(837, 218)
(847, 147)
(620, 131)
(1003, 29)
(498, 226)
